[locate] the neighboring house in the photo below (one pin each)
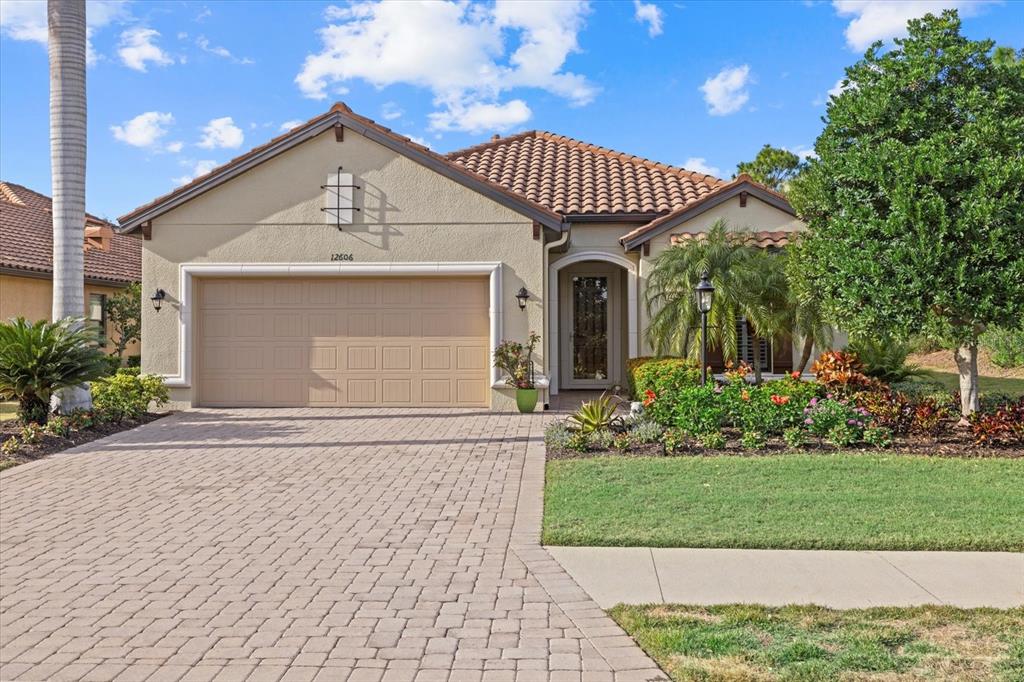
(112, 260)
(343, 264)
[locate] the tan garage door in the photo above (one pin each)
(330, 342)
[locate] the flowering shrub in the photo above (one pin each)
(842, 435)
(661, 381)
(841, 373)
(769, 408)
(821, 417)
(697, 410)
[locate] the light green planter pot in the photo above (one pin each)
(526, 399)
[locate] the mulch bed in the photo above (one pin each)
(955, 443)
(49, 444)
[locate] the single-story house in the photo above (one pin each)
(343, 264)
(112, 261)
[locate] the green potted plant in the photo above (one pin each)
(516, 360)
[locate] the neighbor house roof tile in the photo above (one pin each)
(572, 177)
(26, 239)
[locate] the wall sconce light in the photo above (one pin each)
(523, 296)
(158, 298)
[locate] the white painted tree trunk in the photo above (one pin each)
(66, 23)
(967, 364)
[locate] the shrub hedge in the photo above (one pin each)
(665, 377)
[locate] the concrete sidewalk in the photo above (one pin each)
(642, 575)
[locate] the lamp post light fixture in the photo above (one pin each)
(705, 295)
(522, 296)
(158, 298)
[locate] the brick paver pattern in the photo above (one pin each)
(295, 544)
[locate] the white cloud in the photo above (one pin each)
(147, 131)
(390, 111)
(726, 92)
(803, 152)
(203, 14)
(222, 133)
(138, 46)
(456, 50)
(699, 164)
(650, 14)
(834, 91)
(479, 117)
(204, 44)
(874, 20)
(201, 167)
(288, 125)
(26, 20)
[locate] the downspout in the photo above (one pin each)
(566, 230)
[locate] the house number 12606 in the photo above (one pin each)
(341, 256)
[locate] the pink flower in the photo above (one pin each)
(808, 421)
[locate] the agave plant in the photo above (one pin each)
(39, 358)
(598, 414)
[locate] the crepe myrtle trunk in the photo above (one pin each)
(67, 47)
(806, 353)
(967, 365)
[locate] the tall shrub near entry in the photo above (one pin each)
(37, 359)
(915, 201)
(666, 379)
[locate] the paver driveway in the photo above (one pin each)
(337, 545)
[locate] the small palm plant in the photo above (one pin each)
(40, 358)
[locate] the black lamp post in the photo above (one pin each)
(705, 294)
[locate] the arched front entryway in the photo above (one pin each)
(594, 279)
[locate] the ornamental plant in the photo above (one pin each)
(516, 360)
(821, 417)
(37, 359)
(1004, 425)
(127, 394)
(660, 381)
(696, 410)
(841, 373)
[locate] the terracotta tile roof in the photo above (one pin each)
(345, 112)
(763, 239)
(569, 176)
(26, 239)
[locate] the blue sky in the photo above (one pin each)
(176, 87)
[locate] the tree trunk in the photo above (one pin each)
(967, 364)
(757, 360)
(67, 45)
(805, 355)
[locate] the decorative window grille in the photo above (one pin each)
(339, 201)
(745, 343)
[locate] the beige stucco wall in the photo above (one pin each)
(32, 298)
(271, 214)
(756, 216)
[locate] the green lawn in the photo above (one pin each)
(843, 501)
(986, 384)
(811, 643)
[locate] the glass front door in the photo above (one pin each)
(589, 339)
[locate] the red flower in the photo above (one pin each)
(795, 374)
(745, 395)
(780, 399)
(649, 397)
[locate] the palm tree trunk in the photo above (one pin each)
(757, 360)
(67, 45)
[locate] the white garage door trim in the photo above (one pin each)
(190, 270)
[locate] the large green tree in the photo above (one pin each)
(773, 167)
(915, 203)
